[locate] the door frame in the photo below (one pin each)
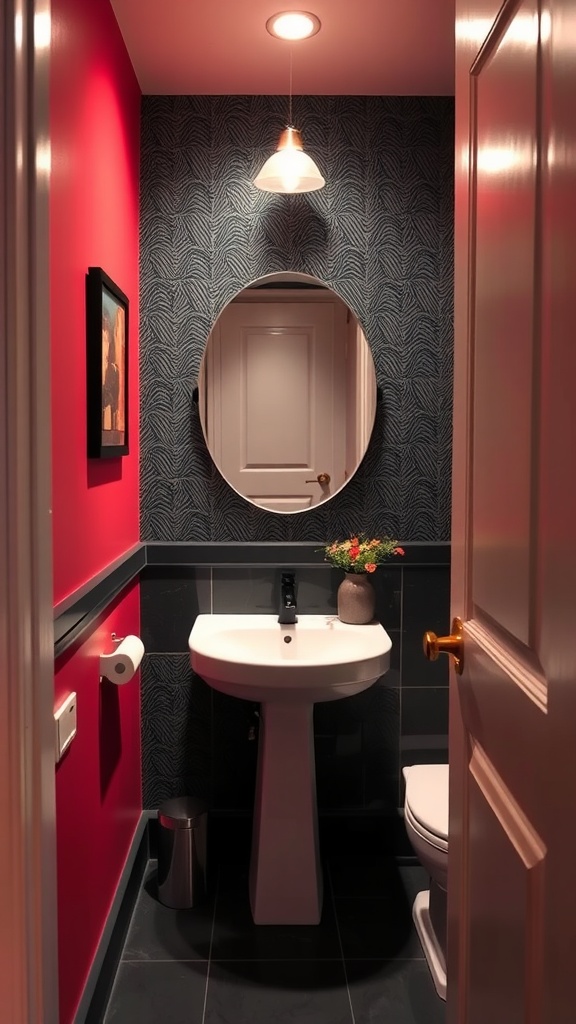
(28, 933)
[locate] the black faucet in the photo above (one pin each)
(287, 599)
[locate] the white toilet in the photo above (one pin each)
(426, 818)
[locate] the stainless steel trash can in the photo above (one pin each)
(182, 825)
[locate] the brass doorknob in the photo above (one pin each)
(322, 478)
(453, 644)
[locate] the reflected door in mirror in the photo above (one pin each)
(287, 393)
(275, 382)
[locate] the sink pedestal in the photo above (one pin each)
(287, 669)
(285, 873)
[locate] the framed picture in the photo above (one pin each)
(107, 366)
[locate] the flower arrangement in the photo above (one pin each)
(360, 554)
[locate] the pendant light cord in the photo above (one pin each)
(290, 93)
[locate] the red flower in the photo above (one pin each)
(354, 552)
(398, 551)
(370, 567)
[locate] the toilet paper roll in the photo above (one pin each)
(120, 666)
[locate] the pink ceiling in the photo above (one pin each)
(221, 47)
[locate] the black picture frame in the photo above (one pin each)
(106, 366)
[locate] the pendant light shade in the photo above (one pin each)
(290, 169)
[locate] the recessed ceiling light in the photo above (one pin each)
(293, 25)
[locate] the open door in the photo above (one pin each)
(512, 903)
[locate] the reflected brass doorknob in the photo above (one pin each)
(322, 478)
(453, 644)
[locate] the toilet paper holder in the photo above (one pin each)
(122, 664)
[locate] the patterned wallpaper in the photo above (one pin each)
(380, 234)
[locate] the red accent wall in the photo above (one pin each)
(95, 142)
(98, 796)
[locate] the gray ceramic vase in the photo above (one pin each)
(356, 599)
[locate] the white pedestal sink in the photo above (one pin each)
(287, 669)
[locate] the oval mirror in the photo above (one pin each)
(287, 393)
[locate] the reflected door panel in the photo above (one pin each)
(287, 395)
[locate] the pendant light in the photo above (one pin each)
(289, 169)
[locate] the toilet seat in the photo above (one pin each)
(430, 837)
(426, 802)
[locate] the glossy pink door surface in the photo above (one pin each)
(512, 906)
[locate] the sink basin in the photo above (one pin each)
(317, 659)
(287, 668)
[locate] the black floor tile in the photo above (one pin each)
(375, 877)
(236, 937)
(159, 933)
(414, 880)
(268, 992)
(233, 879)
(393, 992)
(377, 929)
(166, 991)
(262, 974)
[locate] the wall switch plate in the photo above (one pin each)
(65, 722)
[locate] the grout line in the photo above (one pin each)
(279, 960)
(210, 949)
(309, 960)
(341, 946)
(386, 959)
(165, 960)
(273, 960)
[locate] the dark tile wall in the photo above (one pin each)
(380, 234)
(196, 741)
